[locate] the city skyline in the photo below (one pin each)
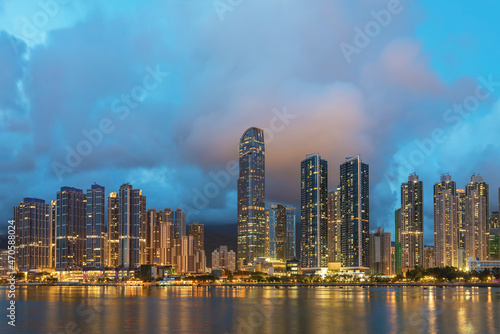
(258, 166)
(184, 221)
(394, 103)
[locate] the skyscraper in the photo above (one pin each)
(251, 197)
(180, 223)
(33, 234)
(132, 227)
(281, 232)
(355, 212)
(314, 211)
(380, 252)
(277, 231)
(290, 248)
(197, 231)
(462, 258)
(411, 223)
(160, 237)
(53, 223)
(446, 222)
(95, 218)
(113, 239)
(70, 230)
(397, 244)
(476, 218)
(334, 227)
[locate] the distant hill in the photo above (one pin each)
(219, 235)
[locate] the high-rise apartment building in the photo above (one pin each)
(251, 197)
(314, 212)
(334, 226)
(53, 223)
(429, 257)
(33, 234)
(446, 222)
(222, 259)
(113, 239)
(462, 258)
(411, 223)
(180, 223)
(95, 223)
(290, 248)
(398, 268)
(197, 231)
(70, 229)
(355, 212)
(281, 232)
(132, 218)
(380, 252)
(476, 218)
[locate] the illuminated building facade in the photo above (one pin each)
(70, 229)
(251, 197)
(314, 212)
(95, 233)
(334, 227)
(380, 252)
(132, 218)
(411, 223)
(33, 234)
(113, 238)
(281, 232)
(446, 222)
(476, 219)
(355, 212)
(180, 223)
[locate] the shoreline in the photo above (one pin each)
(275, 285)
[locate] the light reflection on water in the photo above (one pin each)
(113, 309)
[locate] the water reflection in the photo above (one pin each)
(110, 309)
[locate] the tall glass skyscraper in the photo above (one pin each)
(70, 229)
(411, 223)
(314, 211)
(251, 197)
(95, 218)
(355, 212)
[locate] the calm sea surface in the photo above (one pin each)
(253, 310)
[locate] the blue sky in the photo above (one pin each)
(164, 90)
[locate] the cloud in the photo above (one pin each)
(274, 65)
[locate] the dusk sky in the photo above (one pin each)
(165, 89)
